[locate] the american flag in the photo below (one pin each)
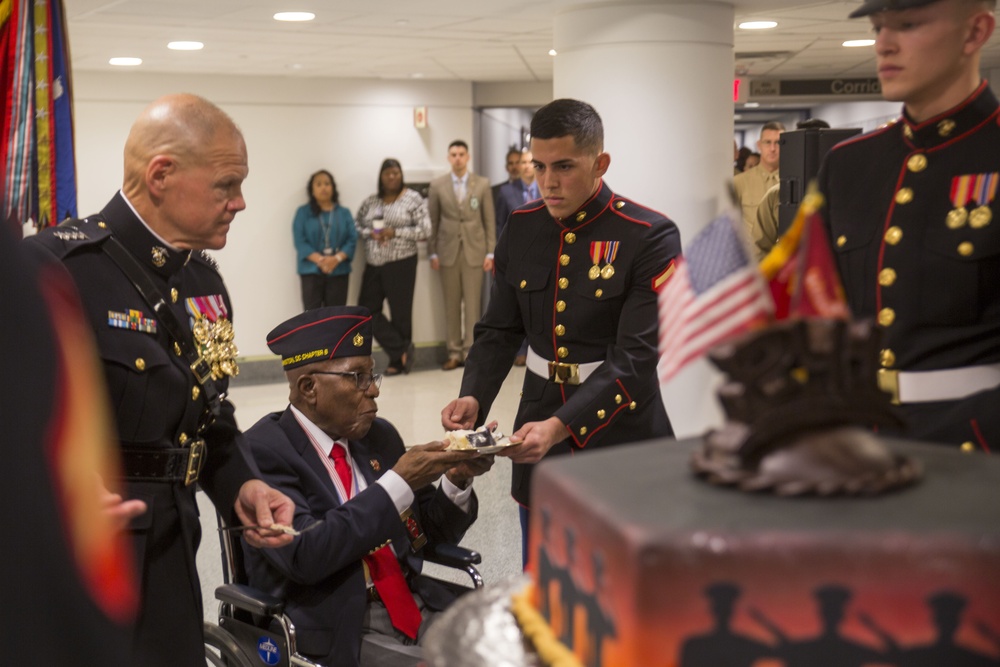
(715, 293)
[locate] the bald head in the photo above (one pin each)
(185, 162)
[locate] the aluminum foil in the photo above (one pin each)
(478, 630)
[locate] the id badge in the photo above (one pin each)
(327, 251)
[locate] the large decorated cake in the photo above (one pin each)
(637, 562)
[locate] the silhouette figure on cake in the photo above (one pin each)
(946, 614)
(721, 646)
(599, 624)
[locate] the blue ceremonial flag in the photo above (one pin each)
(37, 161)
(715, 293)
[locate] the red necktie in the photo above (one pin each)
(383, 566)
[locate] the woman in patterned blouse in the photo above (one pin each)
(391, 222)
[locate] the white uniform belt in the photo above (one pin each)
(559, 372)
(945, 385)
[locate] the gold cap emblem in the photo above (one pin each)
(359, 340)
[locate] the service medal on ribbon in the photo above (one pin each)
(214, 334)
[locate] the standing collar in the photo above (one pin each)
(594, 206)
(971, 113)
(153, 252)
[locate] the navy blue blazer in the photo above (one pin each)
(320, 574)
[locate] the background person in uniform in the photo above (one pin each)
(325, 240)
(185, 161)
(391, 261)
(754, 181)
(463, 235)
(350, 472)
(764, 233)
(578, 274)
(913, 219)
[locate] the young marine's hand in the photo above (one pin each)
(536, 439)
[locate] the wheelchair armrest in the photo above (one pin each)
(250, 599)
(451, 555)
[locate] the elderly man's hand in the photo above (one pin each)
(462, 474)
(259, 504)
(423, 464)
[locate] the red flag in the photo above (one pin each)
(800, 270)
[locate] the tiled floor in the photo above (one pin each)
(413, 404)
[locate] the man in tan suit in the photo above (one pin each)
(463, 235)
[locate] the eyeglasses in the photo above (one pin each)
(363, 380)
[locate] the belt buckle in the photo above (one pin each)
(561, 373)
(202, 370)
(196, 459)
(888, 381)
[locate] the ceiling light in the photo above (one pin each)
(294, 16)
(552, 52)
(751, 105)
(186, 46)
(758, 25)
(417, 75)
(859, 42)
(125, 62)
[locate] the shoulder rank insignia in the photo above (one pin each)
(132, 320)
(664, 276)
(69, 234)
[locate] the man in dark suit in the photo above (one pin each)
(513, 167)
(912, 210)
(373, 500)
(577, 273)
(463, 235)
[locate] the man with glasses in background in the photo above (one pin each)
(350, 583)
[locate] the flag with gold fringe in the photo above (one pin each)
(715, 293)
(37, 163)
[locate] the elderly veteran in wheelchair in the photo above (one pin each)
(365, 505)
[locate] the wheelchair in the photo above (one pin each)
(253, 629)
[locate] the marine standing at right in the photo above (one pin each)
(912, 216)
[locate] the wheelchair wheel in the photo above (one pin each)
(221, 649)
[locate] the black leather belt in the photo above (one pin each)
(181, 464)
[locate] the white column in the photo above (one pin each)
(660, 74)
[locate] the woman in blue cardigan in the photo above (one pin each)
(325, 239)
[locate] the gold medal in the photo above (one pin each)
(980, 217)
(607, 272)
(594, 273)
(957, 217)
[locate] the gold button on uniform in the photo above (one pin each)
(195, 393)
(618, 399)
(632, 405)
(887, 358)
(886, 316)
(562, 352)
(173, 294)
(524, 283)
(599, 293)
(619, 205)
(564, 259)
(841, 241)
(183, 438)
(908, 131)
(560, 330)
(965, 249)
(560, 306)
(583, 430)
(968, 447)
(600, 414)
(177, 349)
(893, 235)
(904, 196)
(140, 363)
(102, 225)
(563, 283)
(886, 277)
(917, 163)
(570, 238)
